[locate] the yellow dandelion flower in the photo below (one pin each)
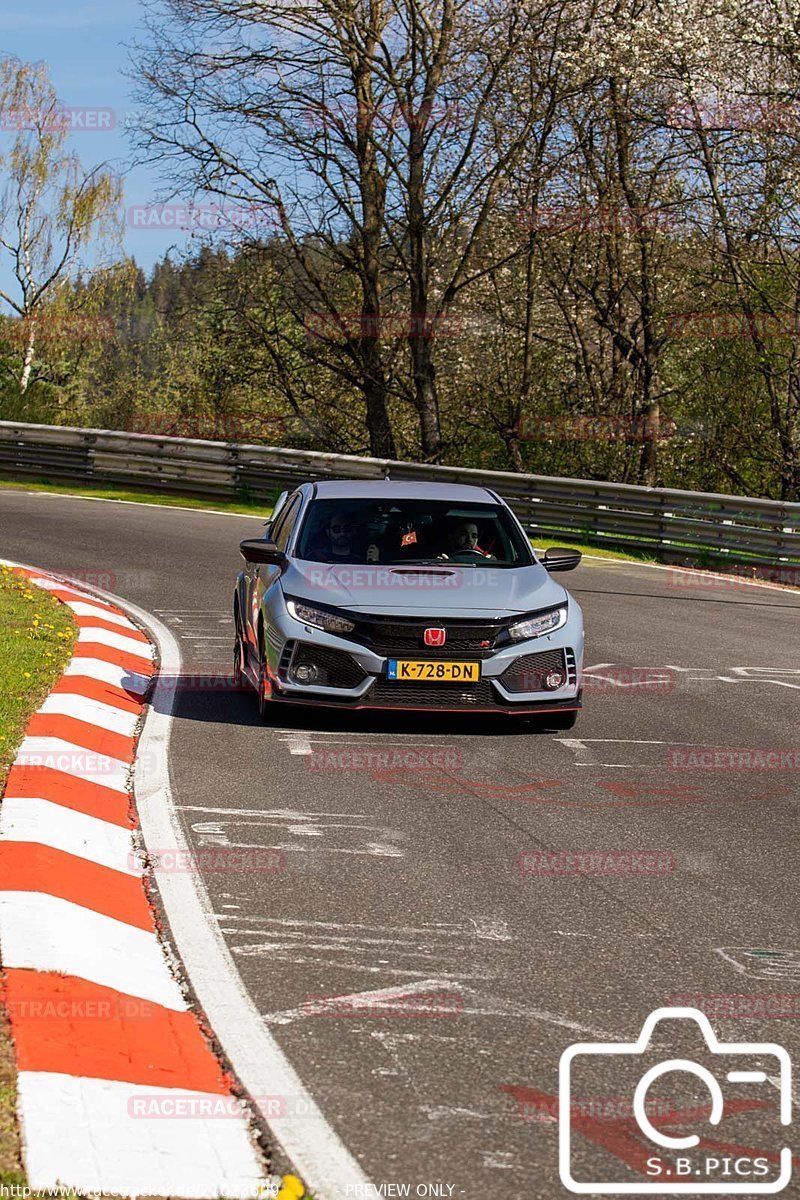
(292, 1187)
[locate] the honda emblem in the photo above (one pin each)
(435, 637)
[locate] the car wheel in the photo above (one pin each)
(238, 661)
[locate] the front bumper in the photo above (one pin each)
(351, 675)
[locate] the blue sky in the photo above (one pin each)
(83, 45)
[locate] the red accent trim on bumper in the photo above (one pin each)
(349, 706)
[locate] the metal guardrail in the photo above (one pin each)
(692, 526)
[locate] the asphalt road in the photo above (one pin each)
(412, 878)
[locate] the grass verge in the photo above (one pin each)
(36, 637)
(540, 543)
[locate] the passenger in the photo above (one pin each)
(339, 542)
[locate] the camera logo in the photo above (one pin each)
(670, 1167)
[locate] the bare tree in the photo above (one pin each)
(376, 133)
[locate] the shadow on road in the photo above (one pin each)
(212, 699)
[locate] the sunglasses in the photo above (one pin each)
(341, 528)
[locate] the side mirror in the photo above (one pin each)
(561, 559)
(258, 550)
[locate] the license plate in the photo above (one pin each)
(434, 672)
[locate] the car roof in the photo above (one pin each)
(396, 489)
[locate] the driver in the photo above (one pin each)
(463, 539)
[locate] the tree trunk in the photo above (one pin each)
(379, 427)
(426, 400)
(648, 461)
(28, 360)
(373, 198)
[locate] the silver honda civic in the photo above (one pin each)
(406, 595)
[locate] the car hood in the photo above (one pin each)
(448, 590)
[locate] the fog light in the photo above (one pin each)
(553, 680)
(305, 673)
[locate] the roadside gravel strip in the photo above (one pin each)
(106, 1044)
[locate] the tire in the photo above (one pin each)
(238, 661)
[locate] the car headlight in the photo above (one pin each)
(541, 623)
(319, 618)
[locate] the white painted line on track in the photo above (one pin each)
(298, 743)
(27, 819)
(46, 933)
(464, 1001)
(315, 1149)
(353, 1001)
(187, 1156)
(206, 637)
(579, 742)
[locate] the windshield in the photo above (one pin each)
(411, 531)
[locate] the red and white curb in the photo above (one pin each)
(119, 1090)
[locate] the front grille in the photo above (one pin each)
(393, 637)
(336, 668)
(527, 674)
(434, 695)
